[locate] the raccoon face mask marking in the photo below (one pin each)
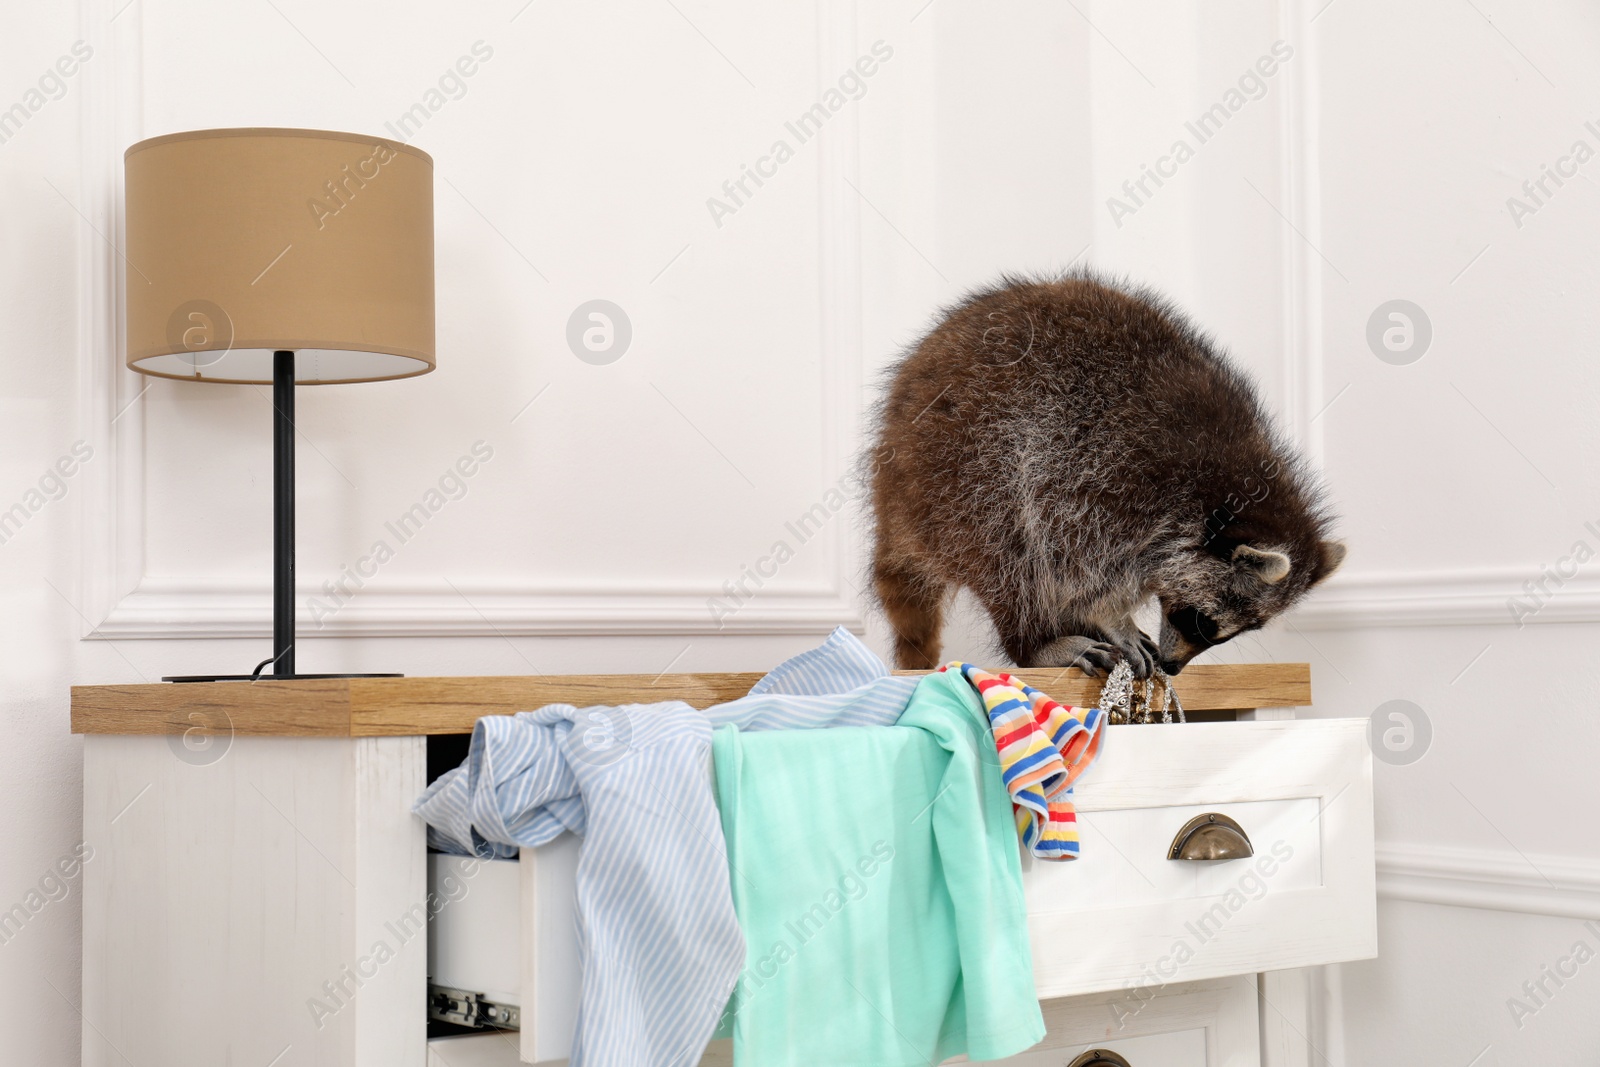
(1196, 627)
(1259, 590)
(1188, 631)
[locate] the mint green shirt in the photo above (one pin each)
(877, 879)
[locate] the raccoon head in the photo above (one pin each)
(1209, 596)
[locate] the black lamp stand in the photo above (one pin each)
(282, 515)
(282, 659)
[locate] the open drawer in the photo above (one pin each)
(1125, 919)
(1196, 1024)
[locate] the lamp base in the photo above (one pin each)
(263, 677)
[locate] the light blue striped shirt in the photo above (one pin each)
(657, 935)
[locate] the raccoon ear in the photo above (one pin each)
(1271, 567)
(1332, 556)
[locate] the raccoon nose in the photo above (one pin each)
(1170, 667)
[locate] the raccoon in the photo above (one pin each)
(1068, 448)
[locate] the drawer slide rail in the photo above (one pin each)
(464, 1008)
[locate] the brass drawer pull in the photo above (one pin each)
(1211, 837)
(1099, 1057)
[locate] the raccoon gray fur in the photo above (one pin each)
(1069, 448)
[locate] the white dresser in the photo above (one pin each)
(261, 894)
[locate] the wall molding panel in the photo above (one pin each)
(110, 516)
(1355, 599)
(1494, 879)
(199, 608)
(1303, 280)
(1446, 598)
(120, 600)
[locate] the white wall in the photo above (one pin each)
(1375, 165)
(40, 763)
(1461, 475)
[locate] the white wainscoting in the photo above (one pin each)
(121, 599)
(1496, 879)
(1447, 598)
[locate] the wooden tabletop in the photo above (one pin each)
(389, 707)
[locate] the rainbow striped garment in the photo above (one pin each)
(1043, 747)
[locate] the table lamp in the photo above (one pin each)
(290, 257)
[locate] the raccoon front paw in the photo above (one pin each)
(1097, 659)
(1141, 653)
(1094, 658)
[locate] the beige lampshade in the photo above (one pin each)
(245, 242)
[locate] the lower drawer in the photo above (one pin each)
(1125, 921)
(475, 1050)
(1203, 1024)
(1207, 1024)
